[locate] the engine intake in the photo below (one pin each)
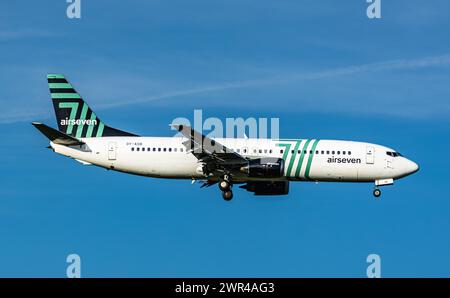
(267, 188)
(264, 168)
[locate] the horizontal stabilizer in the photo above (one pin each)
(56, 136)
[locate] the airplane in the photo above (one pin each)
(264, 167)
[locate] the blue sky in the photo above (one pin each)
(322, 67)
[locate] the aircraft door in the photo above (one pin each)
(370, 151)
(112, 148)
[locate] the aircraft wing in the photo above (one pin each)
(215, 155)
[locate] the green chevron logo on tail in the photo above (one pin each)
(74, 116)
(80, 123)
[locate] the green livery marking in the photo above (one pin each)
(308, 166)
(91, 127)
(82, 117)
(291, 163)
(66, 95)
(302, 156)
(101, 126)
(287, 147)
(73, 113)
(291, 159)
(60, 85)
(55, 76)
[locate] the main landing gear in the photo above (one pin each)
(225, 186)
(227, 195)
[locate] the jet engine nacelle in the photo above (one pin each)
(264, 168)
(267, 188)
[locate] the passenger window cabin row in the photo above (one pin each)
(323, 152)
(154, 149)
(260, 151)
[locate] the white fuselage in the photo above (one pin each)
(310, 160)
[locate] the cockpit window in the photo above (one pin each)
(393, 153)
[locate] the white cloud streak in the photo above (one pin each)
(10, 35)
(391, 65)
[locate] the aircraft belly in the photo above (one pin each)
(334, 173)
(159, 165)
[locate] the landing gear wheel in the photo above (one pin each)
(376, 192)
(227, 195)
(224, 185)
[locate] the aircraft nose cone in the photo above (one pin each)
(412, 167)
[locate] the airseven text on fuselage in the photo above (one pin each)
(343, 160)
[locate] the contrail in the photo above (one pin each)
(337, 72)
(402, 64)
(14, 117)
(24, 33)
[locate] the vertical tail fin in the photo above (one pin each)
(75, 118)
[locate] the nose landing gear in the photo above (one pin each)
(376, 192)
(381, 182)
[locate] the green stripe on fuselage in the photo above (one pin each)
(291, 163)
(287, 147)
(308, 166)
(302, 156)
